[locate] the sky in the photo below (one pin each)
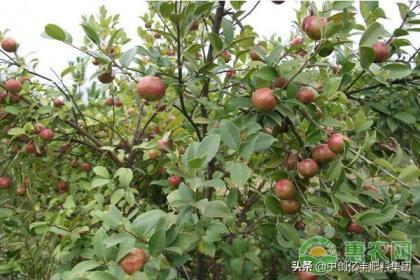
(26, 20)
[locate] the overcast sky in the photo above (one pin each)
(26, 20)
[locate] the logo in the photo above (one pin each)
(318, 254)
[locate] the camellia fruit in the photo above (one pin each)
(308, 167)
(226, 55)
(153, 154)
(254, 56)
(9, 44)
(264, 100)
(174, 181)
(306, 95)
(170, 52)
(382, 52)
(151, 88)
(63, 186)
(164, 144)
(86, 166)
(285, 189)
(106, 77)
(355, 228)
(134, 261)
(290, 206)
(5, 182)
(322, 153)
(21, 190)
(281, 82)
(46, 134)
(292, 161)
(30, 148)
(336, 142)
(65, 147)
(58, 102)
(230, 73)
(118, 103)
(109, 101)
(306, 275)
(13, 86)
(194, 25)
(297, 41)
(314, 26)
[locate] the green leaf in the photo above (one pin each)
(228, 30)
(405, 117)
(125, 176)
(100, 182)
(367, 56)
(157, 243)
(266, 73)
(117, 196)
(118, 238)
(16, 131)
(216, 42)
(272, 204)
(209, 147)
(334, 171)
(373, 217)
(91, 33)
(84, 266)
(239, 173)
(98, 247)
(213, 209)
(371, 35)
(289, 234)
(230, 134)
(5, 213)
(409, 174)
(398, 70)
(101, 172)
(100, 275)
(128, 57)
(55, 32)
(403, 8)
(263, 142)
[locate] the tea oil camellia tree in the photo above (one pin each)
(200, 150)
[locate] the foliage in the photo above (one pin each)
(224, 219)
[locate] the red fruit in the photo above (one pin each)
(306, 275)
(9, 44)
(46, 134)
(58, 102)
(308, 167)
(153, 154)
(174, 181)
(86, 166)
(299, 225)
(164, 144)
(355, 228)
(285, 189)
(281, 82)
(15, 98)
(292, 161)
(13, 86)
(314, 26)
(106, 77)
(64, 147)
(322, 153)
(264, 100)
(305, 21)
(297, 41)
(21, 190)
(346, 210)
(134, 261)
(226, 55)
(3, 96)
(109, 101)
(96, 61)
(194, 26)
(39, 126)
(118, 103)
(254, 56)
(170, 52)
(63, 186)
(5, 182)
(151, 88)
(290, 206)
(230, 73)
(382, 51)
(306, 95)
(336, 142)
(30, 148)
